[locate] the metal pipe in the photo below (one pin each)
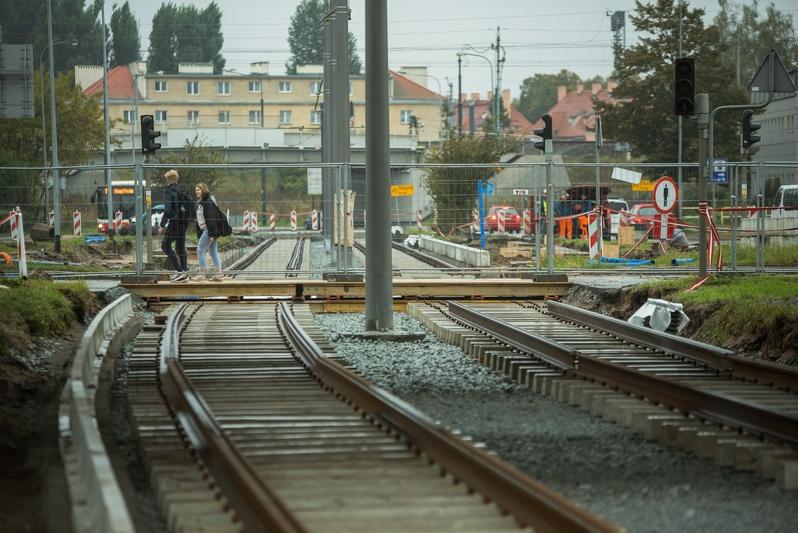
(107, 125)
(379, 288)
(340, 106)
(459, 95)
(702, 108)
(54, 135)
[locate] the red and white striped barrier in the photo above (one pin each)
(528, 222)
(18, 235)
(245, 224)
(500, 225)
(253, 222)
(272, 221)
(293, 220)
(593, 235)
(314, 220)
(51, 218)
(117, 221)
(76, 229)
(475, 220)
(663, 227)
(420, 220)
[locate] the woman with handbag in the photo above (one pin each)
(211, 224)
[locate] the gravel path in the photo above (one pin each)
(638, 484)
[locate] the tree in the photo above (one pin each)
(742, 30)
(306, 38)
(197, 151)
(539, 92)
(186, 34)
(126, 44)
(454, 189)
(644, 114)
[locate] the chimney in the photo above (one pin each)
(579, 88)
(259, 67)
(475, 97)
(562, 90)
(310, 69)
(139, 68)
(595, 88)
(416, 74)
(195, 68)
(489, 96)
(506, 101)
(611, 86)
(85, 75)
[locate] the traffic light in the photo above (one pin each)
(544, 132)
(749, 139)
(148, 134)
(684, 89)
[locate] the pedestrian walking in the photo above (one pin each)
(174, 224)
(211, 224)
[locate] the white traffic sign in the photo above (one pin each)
(521, 192)
(665, 194)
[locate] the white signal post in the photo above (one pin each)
(665, 197)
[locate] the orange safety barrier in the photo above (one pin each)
(6, 258)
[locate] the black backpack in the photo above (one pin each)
(186, 207)
(224, 226)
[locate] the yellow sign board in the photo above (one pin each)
(404, 189)
(643, 186)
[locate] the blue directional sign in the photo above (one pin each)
(488, 187)
(720, 171)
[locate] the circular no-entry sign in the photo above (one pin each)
(665, 194)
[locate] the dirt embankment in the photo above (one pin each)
(769, 340)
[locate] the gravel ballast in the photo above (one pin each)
(636, 483)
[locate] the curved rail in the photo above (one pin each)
(256, 505)
(527, 500)
(295, 262)
(97, 500)
(712, 406)
(251, 257)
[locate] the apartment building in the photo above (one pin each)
(254, 108)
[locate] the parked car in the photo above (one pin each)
(786, 196)
(642, 215)
(512, 220)
(619, 205)
(157, 215)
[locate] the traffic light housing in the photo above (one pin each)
(148, 135)
(545, 132)
(684, 87)
(749, 139)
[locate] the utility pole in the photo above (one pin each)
(702, 107)
(497, 105)
(107, 120)
(54, 135)
(327, 188)
(339, 105)
(379, 283)
(459, 95)
(679, 118)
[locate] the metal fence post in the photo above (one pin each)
(760, 221)
(139, 220)
(550, 228)
(735, 184)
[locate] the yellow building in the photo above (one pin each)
(226, 108)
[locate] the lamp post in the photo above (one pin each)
(491, 76)
(44, 122)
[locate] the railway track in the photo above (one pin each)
(295, 262)
(692, 394)
(246, 418)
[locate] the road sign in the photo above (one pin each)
(521, 192)
(771, 76)
(643, 186)
(665, 194)
(629, 176)
(403, 189)
(720, 171)
(314, 181)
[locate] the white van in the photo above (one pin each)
(787, 196)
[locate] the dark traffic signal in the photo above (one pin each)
(545, 132)
(749, 139)
(684, 88)
(148, 135)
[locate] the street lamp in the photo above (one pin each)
(44, 124)
(459, 55)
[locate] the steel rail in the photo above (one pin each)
(425, 258)
(295, 262)
(712, 356)
(254, 502)
(246, 261)
(527, 500)
(714, 406)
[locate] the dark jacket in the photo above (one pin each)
(171, 212)
(212, 216)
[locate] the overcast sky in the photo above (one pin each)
(537, 36)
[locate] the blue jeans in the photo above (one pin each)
(202, 247)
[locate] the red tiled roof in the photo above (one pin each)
(574, 116)
(406, 89)
(120, 84)
(482, 109)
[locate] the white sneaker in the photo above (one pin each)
(174, 276)
(182, 276)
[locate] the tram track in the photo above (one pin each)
(295, 262)
(687, 393)
(333, 452)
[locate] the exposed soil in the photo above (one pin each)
(773, 342)
(32, 479)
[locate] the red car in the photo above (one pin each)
(512, 220)
(642, 215)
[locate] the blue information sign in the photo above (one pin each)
(720, 171)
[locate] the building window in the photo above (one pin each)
(404, 116)
(285, 117)
(224, 117)
(284, 87)
(254, 117)
(192, 117)
(161, 86)
(224, 88)
(254, 86)
(192, 87)
(128, 116)
(315, 88)
(160, 116)
(315, 117)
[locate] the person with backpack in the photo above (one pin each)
(211, 224)
(174, 225)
